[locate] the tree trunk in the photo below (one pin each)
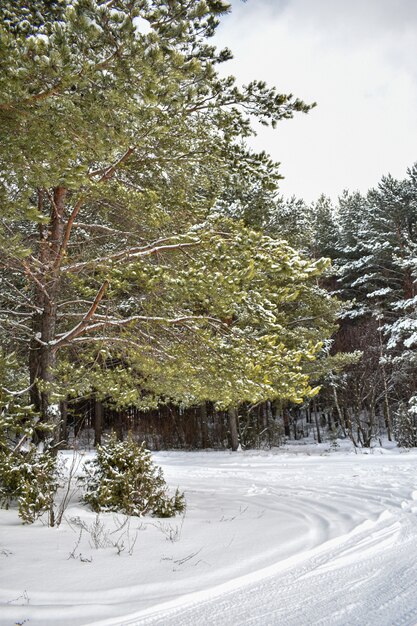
(387, 408)
(339, 411)
(233, 427)
(118, 426)
(42, 358)
(64, 420)
(264, 414)
(294, 425)
(286, 419)
(98, 422)
(269, 421)
(316, 420)
(204, 425)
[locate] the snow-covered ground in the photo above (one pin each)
(298, 537)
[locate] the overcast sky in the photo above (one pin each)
(358, 60)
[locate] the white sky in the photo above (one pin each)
(358, 61)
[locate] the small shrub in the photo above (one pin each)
(122, 478)
(28, 476)
(34, 481)
(405, 425)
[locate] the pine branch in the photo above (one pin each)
(32, 276)
(130, 253)
(149, 319)
(106, 173)
(67, 233)
(103, 229)
(81, 327)
(43, 95)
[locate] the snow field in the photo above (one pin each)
(295, 538)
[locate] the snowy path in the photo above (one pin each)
(285, 539)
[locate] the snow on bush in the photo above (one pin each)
(28, 476)
(405, 426)
(123, 478)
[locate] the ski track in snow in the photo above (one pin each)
(278, 540)
(369, 578)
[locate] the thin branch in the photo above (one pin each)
(20, 444)
(103, 229)
(23, 327)
(18, 313)
(144, 318)
(67, 233)
(54, 90)
(7, 106)
(80, 328)
(31, 275)
(52, 201)
(17, 393)
(106, 173)
(74, 302)
(130, 253)
(122, 341)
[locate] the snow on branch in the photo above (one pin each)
(171, 321)
(84, 327)
(130, 253)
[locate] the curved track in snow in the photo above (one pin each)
(368, 577)
(268, 539)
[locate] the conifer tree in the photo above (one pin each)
(119, 140)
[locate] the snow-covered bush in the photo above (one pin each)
(28, 476)
(405, 427)
(30, 479)
(123, 478)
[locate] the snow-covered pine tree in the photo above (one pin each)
(123, 478)
(375, 266)
(28, 475)
(405, 425)
(119, 136)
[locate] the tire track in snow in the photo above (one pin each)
(320, 554)
(369, 578)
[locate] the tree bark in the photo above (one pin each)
(42, 359)
(317, 421)
(339, 411)
(98, 422)
(204, 425)
(233, 427)
(286, 420)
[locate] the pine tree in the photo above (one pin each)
(28, 476)
(123, 478)
(119, 139)
(406, 426)
(374, 258)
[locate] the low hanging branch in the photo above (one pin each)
(21, 392)
(84, 327)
